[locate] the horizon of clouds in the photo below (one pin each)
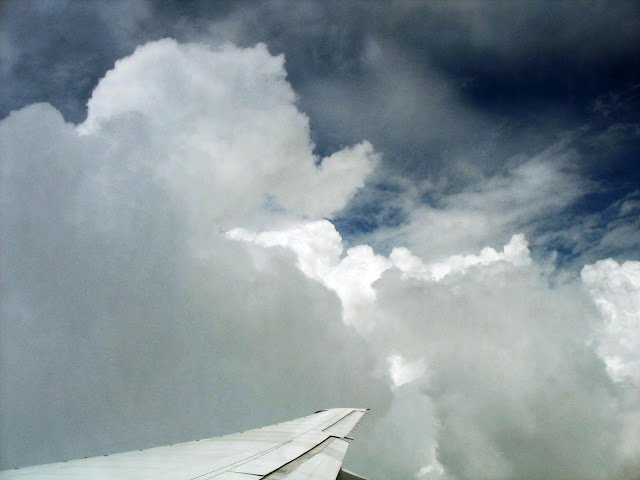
(118, 230)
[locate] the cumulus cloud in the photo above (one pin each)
(615, 289)
(517, 390)
(515, 252)
(319, 252)
(127, 320)
(227, 116)
(318, 248)
(501, 365)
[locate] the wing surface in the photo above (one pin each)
(309, 448)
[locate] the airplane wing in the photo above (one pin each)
(308, 448)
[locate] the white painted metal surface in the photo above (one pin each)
(310, 444)
(343, 426)
(272, 460)
(323, 461)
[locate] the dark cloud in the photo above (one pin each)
(58, 52)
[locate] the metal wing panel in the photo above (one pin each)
(347, 423)
(324, 466)
(274, 459)
(321, 463)
(230, 476)
(271, 461)
(244, 456)
(183, 461)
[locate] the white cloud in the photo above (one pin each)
(524, 195)
(515, 252)
(511, 384)
(516, 389)
(402, 372)
(228, 117)
(615, 289)
(319, 252)
(317, 245)
(128, 320)
(433, 470)
(318, 248)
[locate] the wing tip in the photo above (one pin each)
(347, 475)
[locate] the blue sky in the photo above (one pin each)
(209, 194)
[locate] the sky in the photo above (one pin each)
(220, 215)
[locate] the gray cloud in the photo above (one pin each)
(118, 329)
(509, 374)
(57, 52)
(517, 391)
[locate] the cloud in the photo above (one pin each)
(615, 289)
(227, 116)
(127, 320)
(499, 364)
(319, 252)
(58, 52)
(515, 252)
(600, 234)
(516, 389)
(526, 195)
(484, 108)
(318, 248)
(434, 102)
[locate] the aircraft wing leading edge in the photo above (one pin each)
(309, 448)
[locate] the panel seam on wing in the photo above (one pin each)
(230, 467)
(294, 464)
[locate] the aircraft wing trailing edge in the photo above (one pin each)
(308, 448)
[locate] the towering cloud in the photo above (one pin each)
(123, 306)
(227, 117)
